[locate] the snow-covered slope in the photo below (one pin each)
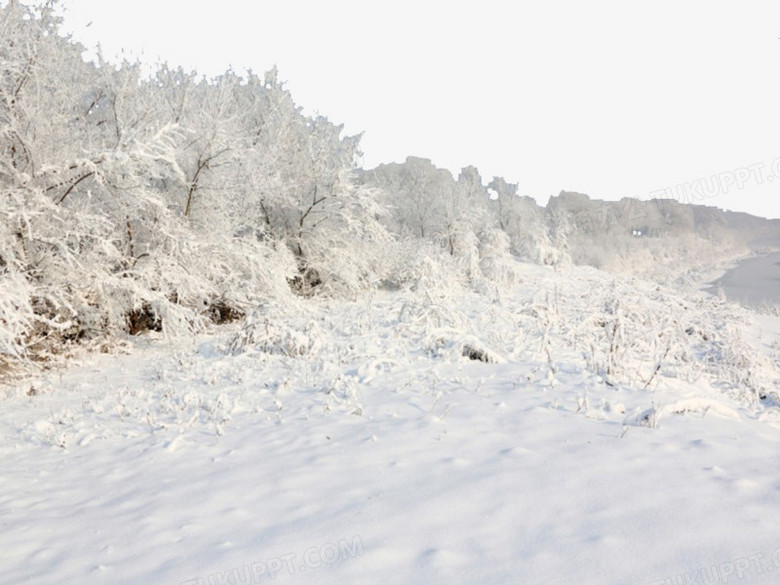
(585, 429)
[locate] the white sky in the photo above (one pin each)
(610, 99)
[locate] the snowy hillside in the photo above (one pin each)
(136, 201)
(230, 355)
(616, 432)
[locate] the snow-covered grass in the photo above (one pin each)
(584, 429)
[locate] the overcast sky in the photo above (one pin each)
(611, 99)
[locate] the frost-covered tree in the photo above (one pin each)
(426, 202)
(555, 250)
(523, 220)
(133, 201)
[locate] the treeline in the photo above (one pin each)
(134, 201)
(652, 237)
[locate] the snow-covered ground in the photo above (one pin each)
(616, 431)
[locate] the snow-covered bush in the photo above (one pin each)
(635, 334)
(272, 329)
(16, 316)
(500, 271)
(422, 267)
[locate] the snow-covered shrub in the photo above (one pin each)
(429, 269)
(500, 271)
(272, 329)
(16, 316)
(637, 334)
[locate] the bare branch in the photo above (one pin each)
(74, 185)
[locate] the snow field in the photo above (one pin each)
(337, 442)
